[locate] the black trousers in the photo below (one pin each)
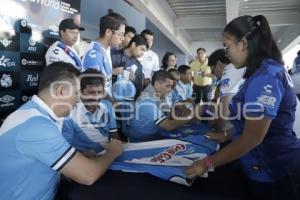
(201, 93)
(286, 188)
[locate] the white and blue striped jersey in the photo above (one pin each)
(97, 57)
(33, 150)
(58, 51)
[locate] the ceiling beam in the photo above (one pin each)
(199, 22)
(232, 9)
(286, 36)
(280, 19)
(161, 14)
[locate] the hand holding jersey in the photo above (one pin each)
(165, 159)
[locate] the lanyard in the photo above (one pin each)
(71, 54)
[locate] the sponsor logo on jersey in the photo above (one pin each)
(225, 82)
(6, 81)
(169, 153)
(266, 100)
(268, 88)
(92, 54)
(55, 51)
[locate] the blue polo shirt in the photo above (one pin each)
(90, 131)
(147, 117)
(32, 152)
(270, 88)
(96, 57)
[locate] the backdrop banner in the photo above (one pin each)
(28, 28)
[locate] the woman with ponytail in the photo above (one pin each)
(263, 113)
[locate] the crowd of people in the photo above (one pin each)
(118, 92)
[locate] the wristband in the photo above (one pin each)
(208, 164)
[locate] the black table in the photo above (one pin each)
(226, 182)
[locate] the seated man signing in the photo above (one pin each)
(149, 118)
(33, 147)
(91, 122)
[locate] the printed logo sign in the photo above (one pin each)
(26, 98)
(29, 80)
(53, 30)
(6, 81)
(32, 80)
(27, 95)
(9, 100)
(32, 61)
(5, 42)
(6, 62)
(9, 61)
(10, 44)
(46, 3)
(30, 45)
(9, 80)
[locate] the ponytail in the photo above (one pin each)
(261, 44)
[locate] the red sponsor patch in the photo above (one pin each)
(167, 154)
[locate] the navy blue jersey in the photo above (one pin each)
(269, 93)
